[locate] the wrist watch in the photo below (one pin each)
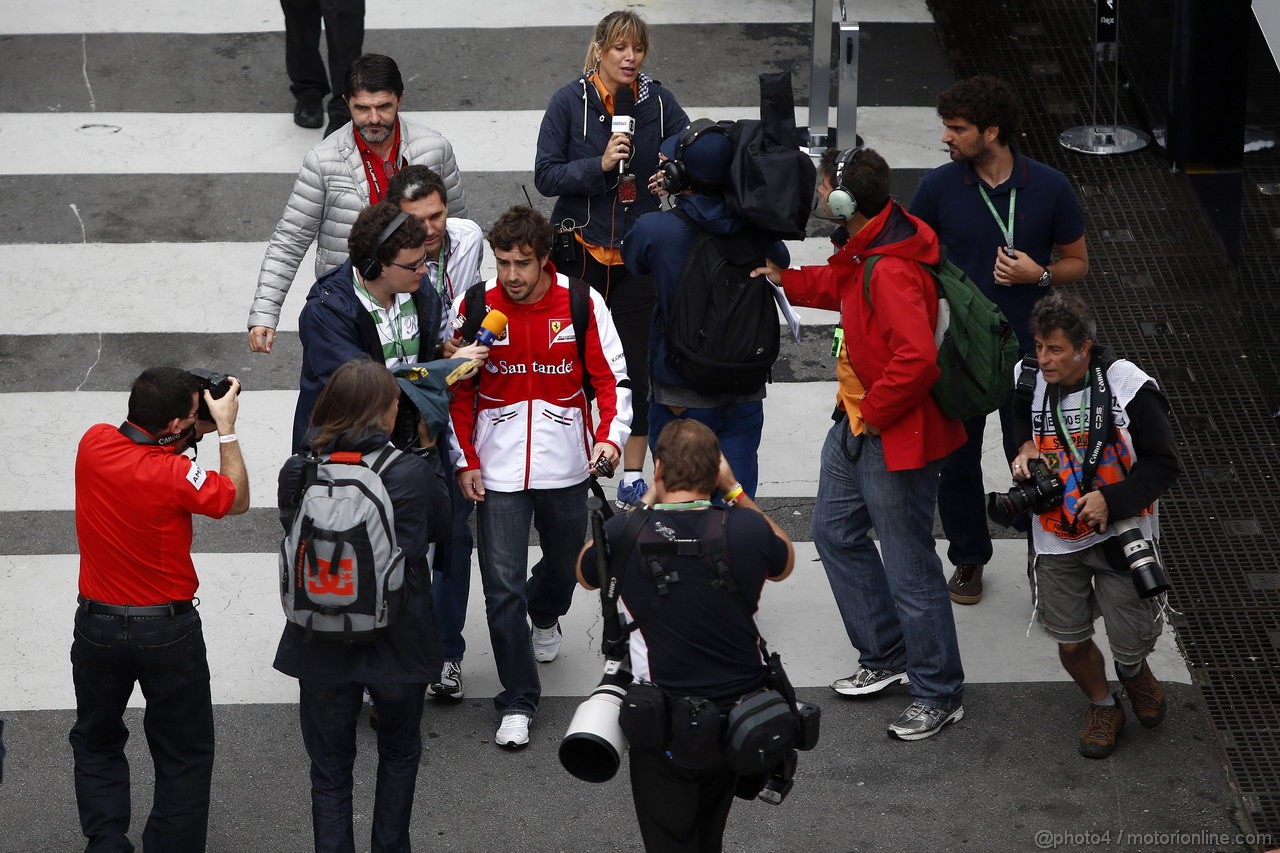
(1046, 277)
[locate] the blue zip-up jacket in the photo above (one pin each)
(334, 328)
(660, 243)
(575, 130)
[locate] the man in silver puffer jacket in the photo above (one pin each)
(342, 176)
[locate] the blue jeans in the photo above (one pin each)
(512, 594)
(450, 591)
(737, 426)
(896, 609)
(962, 498)
(166, 656)
(328, 712)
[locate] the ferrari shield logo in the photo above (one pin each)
(555, 327)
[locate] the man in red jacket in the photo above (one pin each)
(524, 432)
(881, 459)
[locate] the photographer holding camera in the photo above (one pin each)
(137, 622)
(1096, 451)
(693, 632)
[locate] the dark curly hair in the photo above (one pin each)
(984, 101)
(369, 224)
(1065, 311)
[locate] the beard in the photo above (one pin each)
(374, 134)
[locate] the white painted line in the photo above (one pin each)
(240, 610)
(234, 16)
(43, 477)
(797, 418)
(235, 143)
(211, 286)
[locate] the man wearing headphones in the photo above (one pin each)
(882, 456)
(371, 305)
(694, 171)
(135, 495)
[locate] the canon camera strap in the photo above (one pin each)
(611, 564)
(1098, 427)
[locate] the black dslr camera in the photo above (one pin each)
(1040, 494)
(217, 384)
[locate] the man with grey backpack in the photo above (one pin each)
(355, 583)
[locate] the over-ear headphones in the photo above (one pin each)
(371, 267)
(840, 201)
(675, 175)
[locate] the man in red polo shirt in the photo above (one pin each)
(135, 495)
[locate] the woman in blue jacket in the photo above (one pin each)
(355, 412)
(605, 182)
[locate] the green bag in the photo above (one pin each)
(977, 348)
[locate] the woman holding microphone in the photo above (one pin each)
(598, 153)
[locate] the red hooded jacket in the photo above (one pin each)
(889, 340)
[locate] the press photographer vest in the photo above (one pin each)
(1054, 532)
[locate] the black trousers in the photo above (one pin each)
(344, 33)
(165, 655)
(679, 810)
(631, 300)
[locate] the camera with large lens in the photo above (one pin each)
(1139, 554)
(217, 384)
(593, 746)
(1040, 494)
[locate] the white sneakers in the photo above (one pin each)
(546, 643)
(514, 731)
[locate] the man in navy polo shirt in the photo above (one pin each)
(1000, 215)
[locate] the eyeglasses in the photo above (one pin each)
(413, 267)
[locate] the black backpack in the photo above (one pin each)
(723, 330)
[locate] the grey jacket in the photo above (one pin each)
(328, 195)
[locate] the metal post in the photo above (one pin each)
(1113, 138)
(847, 88)
(816, 134)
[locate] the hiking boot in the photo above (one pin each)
(450, 684)
(921, 721)
(1102, 724)
(514, 731)
(631, 494)
(866, 681)
(1146, 696)
(546, 643)
(965, 585)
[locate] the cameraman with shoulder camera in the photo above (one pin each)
(693, 627)
(1096, 451)
(137, 622)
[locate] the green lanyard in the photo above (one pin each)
(395, 321)
(1062, 425)
(685, 505)
(1005, 228)
(442, 276)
